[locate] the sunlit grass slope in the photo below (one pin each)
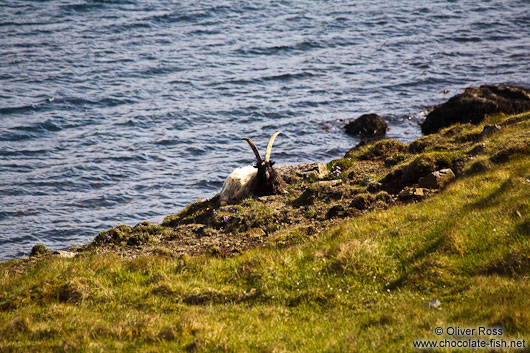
(361, 286)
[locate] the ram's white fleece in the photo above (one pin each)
(239, 184)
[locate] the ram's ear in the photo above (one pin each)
(272, 163)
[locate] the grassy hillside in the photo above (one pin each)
(363, 283)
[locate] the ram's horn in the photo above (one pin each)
(253, 146)
(269, 146)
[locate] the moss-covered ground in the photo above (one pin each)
(346, 263)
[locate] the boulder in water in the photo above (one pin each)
(475, 103)
(367, 125)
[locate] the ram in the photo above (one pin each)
(251, 181)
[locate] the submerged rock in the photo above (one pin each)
(475, 103)
(367, 125)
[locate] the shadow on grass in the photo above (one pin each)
(436, 240)
(492, 199)
(523, 228)
(512, 264)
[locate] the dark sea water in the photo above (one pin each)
(122, 111)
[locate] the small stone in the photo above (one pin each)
(436, 180)
(434, 304)
(268, 198)
(329, 183)
(418, 192)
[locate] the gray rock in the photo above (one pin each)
(65, 254)
(304, 170)
(436, 180)
(434, 304)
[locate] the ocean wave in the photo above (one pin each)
(280, 49)
(178, 17)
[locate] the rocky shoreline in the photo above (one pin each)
(374, 175)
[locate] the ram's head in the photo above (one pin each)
(268, 181)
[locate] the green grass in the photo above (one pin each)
(363, 285)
